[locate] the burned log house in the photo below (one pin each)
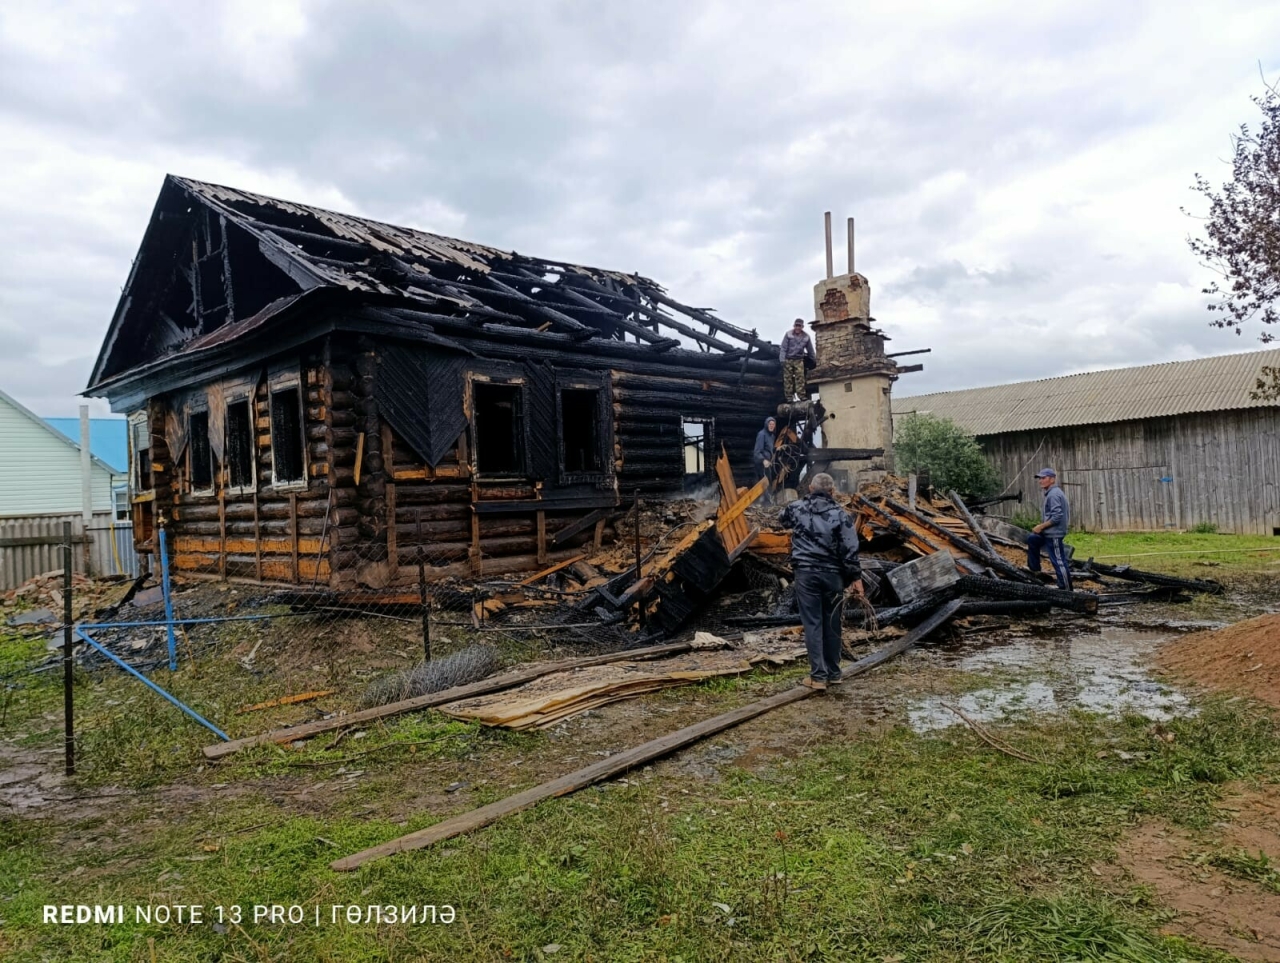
(314, 397)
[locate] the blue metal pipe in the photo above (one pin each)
(225, 618)
(168, 602)
(151, 685)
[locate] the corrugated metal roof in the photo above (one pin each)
(1221, 383)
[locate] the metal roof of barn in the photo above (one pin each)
(1221, 383)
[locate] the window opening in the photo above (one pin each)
(287, 462)
(142, 455)
(199, 454)
(580, 430)
(697, 443)
(240, 447)
(499, 429)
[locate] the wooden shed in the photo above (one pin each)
(1163, 446)
(315, 397)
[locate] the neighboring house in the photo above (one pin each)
(40, 491)
(108, 441)
(319, 397)
(40, 467)
(1163, 446)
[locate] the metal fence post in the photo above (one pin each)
(168, 598)
(68, 703)
(426, 605)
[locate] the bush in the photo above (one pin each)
(1027, 518)
(1205, 528)
(927, 443)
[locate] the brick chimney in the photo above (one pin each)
(853, 375)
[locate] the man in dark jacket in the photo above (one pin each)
(762, 454)
(824, 562)
(793, 352)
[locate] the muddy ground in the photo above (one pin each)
(992, 673)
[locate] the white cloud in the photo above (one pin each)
(1016, 170)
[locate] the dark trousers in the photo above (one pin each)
(820, 598)
(762, 472)
(1057, 552)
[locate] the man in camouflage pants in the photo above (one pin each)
(795, 348)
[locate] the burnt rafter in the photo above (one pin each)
(240, 253)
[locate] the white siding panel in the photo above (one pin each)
(39, 471)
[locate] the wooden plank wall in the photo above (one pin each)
(1224, 466)
(32, 546)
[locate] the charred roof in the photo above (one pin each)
(220, 267)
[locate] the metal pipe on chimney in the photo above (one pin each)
(830, 267)
(850, 245)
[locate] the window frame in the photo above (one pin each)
(246, 398)
(604, 437)
(708, 444)
(140, 420)
(518, 382)
(293, 382)
(213, 461)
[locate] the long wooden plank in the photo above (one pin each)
(974, 527)
(538, 576)
(476, 818)
(581, 525)
(731, 514)
(484, 687)
(613, 765)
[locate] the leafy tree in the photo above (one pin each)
(1242, 234)
(924, 442)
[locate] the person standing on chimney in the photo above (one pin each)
(795, 350)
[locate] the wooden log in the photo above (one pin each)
(582, 524)
(624, 761)
(997, 562)
(974, 527)
(484, 687)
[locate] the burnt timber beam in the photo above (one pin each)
(578, 330)
(635, 304)
(600, 346)
(976, 552)
(711, 321)
(581, 525)
(640, 331)
(301, 237)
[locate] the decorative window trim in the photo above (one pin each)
(201, 409)
(233, 397)
(604, 434)
(284, 383)
(512, 381)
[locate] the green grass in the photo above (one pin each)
(895, 846)
(1193, 554)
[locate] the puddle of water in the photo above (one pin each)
(1103, 671)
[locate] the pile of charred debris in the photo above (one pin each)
(724, 565)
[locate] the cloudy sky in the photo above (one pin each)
(1016, 169)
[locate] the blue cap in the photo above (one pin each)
(1046, 473)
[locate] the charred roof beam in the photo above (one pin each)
(642, 333)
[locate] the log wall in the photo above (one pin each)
(371, 508)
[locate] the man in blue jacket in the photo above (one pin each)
(1048, 535)
(762, 454)
(824, 563)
